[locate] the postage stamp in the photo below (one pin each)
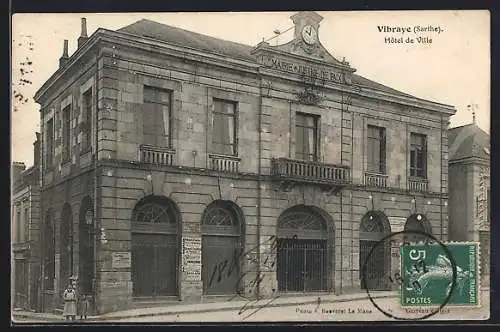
(181, 167)
(433, 276)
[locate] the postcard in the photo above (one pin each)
(250, 167)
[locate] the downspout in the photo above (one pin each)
(259, 194)
(341, 244)
(351, 208)
(96, 217)
(341, 194)
(207, 128)
(441, 178)
(41, 283)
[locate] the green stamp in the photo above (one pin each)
(428, 274)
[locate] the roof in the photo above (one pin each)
(181, 37)
(468, 141)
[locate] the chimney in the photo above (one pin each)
(83, 36)
(36, 150)
(64, 58)
(17, 170)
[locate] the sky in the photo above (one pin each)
(453, 69)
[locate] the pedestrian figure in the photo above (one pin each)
(83, 306)
(69, 298)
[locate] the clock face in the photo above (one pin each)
(309, 34)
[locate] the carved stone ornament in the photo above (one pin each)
(299, 47)
(309, 96)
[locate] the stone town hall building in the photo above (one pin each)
(177, 166)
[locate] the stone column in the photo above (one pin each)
(265, 274)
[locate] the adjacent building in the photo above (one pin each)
(470, 190)
(177, 166)
(25, 236)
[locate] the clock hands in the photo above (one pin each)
(308, 34)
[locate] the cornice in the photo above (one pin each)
(161, 47)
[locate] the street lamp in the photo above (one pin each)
(89, 217)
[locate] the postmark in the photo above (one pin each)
(428, 275)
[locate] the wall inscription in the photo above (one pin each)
(191, 259)
(120, 260)
(315, 72)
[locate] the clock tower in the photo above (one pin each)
(306, 26)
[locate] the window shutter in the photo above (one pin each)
(382, 150)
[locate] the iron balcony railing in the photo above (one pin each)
(417, 184)
(156, 155)
(309, 171)
(223, 163)
(19, 246)
(375, 180)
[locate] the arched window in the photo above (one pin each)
(371, 224)
(155, 212)
(154, 247)
(417, 222)
(49, 250)
(301, 222)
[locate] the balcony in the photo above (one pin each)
(156, 155)
(417, 185)
(20, 246)
(376, 180)
(222, 163)
(334, 177)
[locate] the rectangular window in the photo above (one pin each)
(156, 117)
(306, 137)
(224, 137)
(24, 224)
(376, 149)
(66, 139)
(18, 225)
(49, 134)
(87, 121)
(418, 155)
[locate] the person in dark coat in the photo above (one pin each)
(83, 306)
(69, 298)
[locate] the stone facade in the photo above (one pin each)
(120, 171)
(469, 202)
(25, 236)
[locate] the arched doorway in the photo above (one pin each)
(65, 247)
(48, 259)
(417, 222)
(221, 229)
(86, 246)
(49, 251)
(302, 250)
(374, 275)
(154, 247)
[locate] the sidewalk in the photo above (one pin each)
(20, 316)
(176, 309)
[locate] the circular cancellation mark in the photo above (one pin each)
(389, 239)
